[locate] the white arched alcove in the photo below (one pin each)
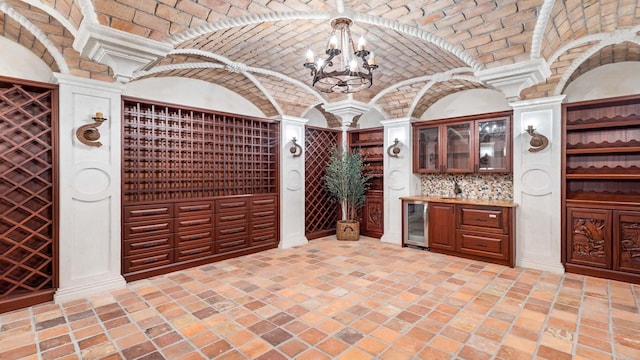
(468, 102)
(192, 92)
(22, 63)
(605, 81)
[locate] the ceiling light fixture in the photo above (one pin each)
(346, 69)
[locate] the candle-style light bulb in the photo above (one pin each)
(353, 65)
(372, 59)
(333, 42)
(320, 64)
(309, 56)
(361, 43)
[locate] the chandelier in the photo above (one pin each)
(346, 69)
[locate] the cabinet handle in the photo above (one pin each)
(480, 244)
(149, 212)
(194, 208)
(493, 216)
(231, 218)
(231, 231)
(151, 244)
(196, 236)
(480, 219)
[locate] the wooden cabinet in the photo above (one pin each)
(601, 188)
(370, 144)
(442, 226)
(479, 232)
(198, 186)
(463, 145)
(608, 240)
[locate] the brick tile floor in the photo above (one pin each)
(338, 300)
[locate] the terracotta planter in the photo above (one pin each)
(348, 230)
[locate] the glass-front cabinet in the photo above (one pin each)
(459, 144)
(492, 150)
(463, 145)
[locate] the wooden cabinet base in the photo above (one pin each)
(160, 270)
(602, 273)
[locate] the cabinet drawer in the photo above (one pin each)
(257, 214)
(147, 212)
(148, 228)
(147, 244)
(231, 218)
(487, 245)
(148, 260)
(194, 222)
(186, 209)
(231, 244)
(194, 237)
(264, 224)
(264, 201)
(196, 251)
(483, 217)
(225, 232)
(264, 237)
(232, 204)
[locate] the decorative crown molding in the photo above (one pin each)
(123, 52)
(512, 79)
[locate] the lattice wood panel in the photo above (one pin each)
(321, 214)
(27, 192)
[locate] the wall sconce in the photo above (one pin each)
(538, 142)
(394, 149)
(89, 134)
(295, 149)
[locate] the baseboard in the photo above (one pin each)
(293, 241)
(392, 238)
(550, 266)
(87, 290)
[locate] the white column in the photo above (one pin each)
(537, 184)
(89, 249)
(292, 183)
(399, 179)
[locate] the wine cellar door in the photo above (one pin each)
(321, 214)
(28, 216)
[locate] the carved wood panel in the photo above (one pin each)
(627, 241)
(589, 237)
(27, 194)
(321, 213)
(373, 215)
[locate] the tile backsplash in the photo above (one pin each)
(474, 186)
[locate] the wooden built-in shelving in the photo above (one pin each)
(204, 185)
(370, 144)
(601, 188)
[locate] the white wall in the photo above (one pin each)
(371, 119)
(469, 102)
(22, 63)
(606, 81)
(316, 118)
(192, 92)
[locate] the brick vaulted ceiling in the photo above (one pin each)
(425, 49)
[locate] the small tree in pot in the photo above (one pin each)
(347, 185)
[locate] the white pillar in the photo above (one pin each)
(537, 184)
(399, 179)
(292, 183)
(90, 185)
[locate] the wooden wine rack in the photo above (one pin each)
(601, 188)
(175, 158)
(28, 193)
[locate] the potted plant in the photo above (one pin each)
(347, 185)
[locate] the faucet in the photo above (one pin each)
(456, 188)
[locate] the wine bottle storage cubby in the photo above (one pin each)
(601, 192)
(369, 143)
(198, 186)
(176, 153)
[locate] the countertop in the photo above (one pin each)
(460, 200)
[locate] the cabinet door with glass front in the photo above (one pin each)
(428, 159)
(492, 151)
(459, 142)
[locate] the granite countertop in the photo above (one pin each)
(460, 200)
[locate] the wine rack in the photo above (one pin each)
(601, 188)
(204, 183)
(370, 144)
